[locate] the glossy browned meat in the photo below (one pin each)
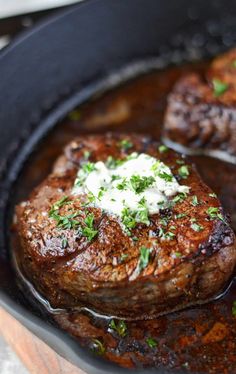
(201, 112)
(186, 268)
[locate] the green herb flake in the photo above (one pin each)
(119, 327)
(183, 171)
(125, 144)
(163, 175)
(98, 347)
(122, 185)
(89, 230)
(152, 343)
(88, 167)
(144, 257)
(195, 201)
(113, 163)
(234, 309)
(180, 215)
(163, 148)
(179, 198)
(180, 162)
(196, 227)
(213, 213)
(177, 254)
(219, 87)
(140, 184)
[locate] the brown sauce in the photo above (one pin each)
(200, 339)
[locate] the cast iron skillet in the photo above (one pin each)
(63, 62)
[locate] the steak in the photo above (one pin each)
(192, 247)
(201, 111)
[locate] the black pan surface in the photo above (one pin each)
(62, 63)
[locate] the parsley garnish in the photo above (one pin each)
(125, 144)
(219, 87)
(163, 175)
(128, 218)
(139, 184)
(179, 198)
(152, 343)
(98, 347)
(88, 167)
(120, 327)
(195, 201)
(178, 254)
(234, 63)
(89, 230)
(162, 148)
(196, 227)
(113, 163)
(180, 215)
(183, 171)
(122, 185)
(144, 257)
(213, 212)
(66, 222)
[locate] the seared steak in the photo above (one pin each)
(201, 112)
(191, 245)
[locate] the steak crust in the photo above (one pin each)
(189, 268)
(203, 119)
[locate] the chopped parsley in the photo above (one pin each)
(163, 148)
(213, 212)
(128, 218)
(180, 162)
(163, 175)
(144, 257)
(98, 347)
(152, 343)
(196, 227)
(178, 254)
(125, 144)
(179, 198)
(113, 163)
(195, 201)
(88, 167)
(219, 87)
(234, 309)
(89, 230)
(234, 63)
(183, 171)
(123, 185)
(180, 215)
(119, 327)
(139, 184)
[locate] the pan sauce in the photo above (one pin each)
(200, 339)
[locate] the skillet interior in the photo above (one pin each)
(40, 100)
